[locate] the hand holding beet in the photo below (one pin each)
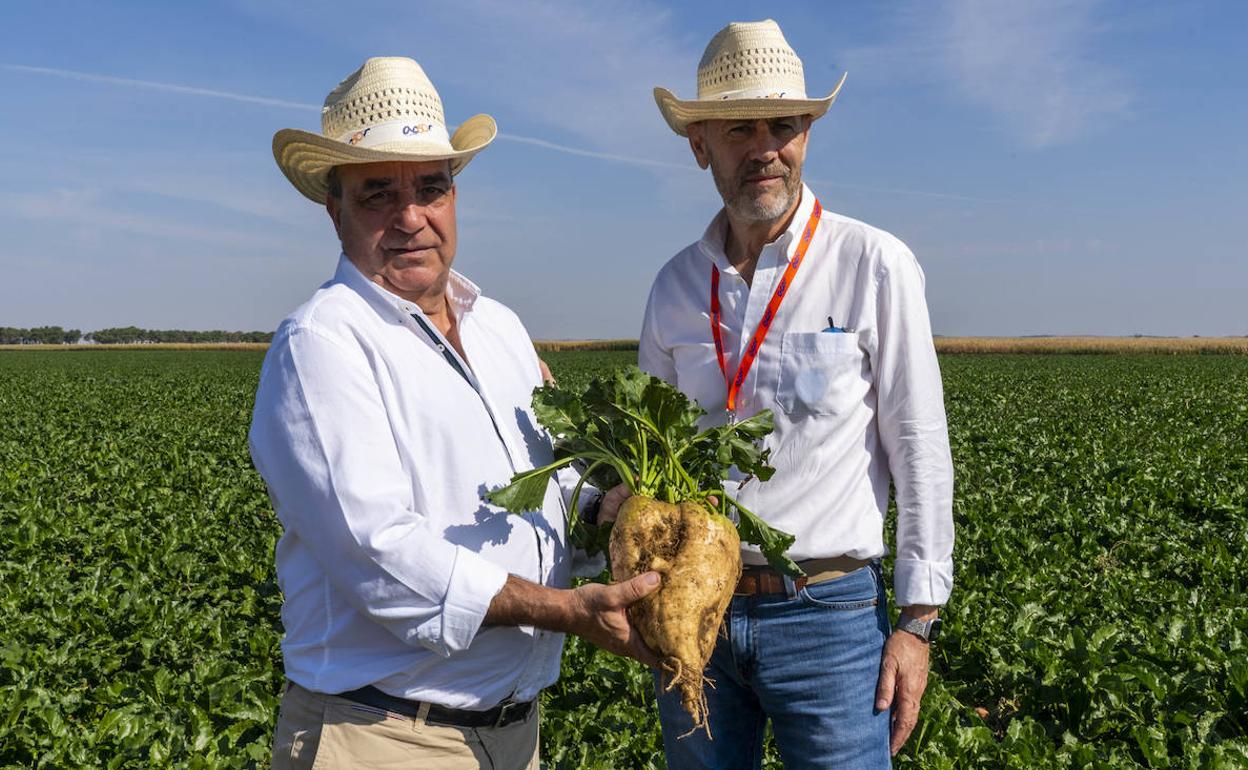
(614, 497)
(633, 434)
(601, 616)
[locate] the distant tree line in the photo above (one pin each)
(55, 335)
(132, 334)
(40, 335)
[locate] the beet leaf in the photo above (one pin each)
(633, 428)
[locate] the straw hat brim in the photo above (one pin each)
(679, 113)
(306, 158)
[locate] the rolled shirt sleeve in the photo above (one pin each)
(914, 432)
(321, 440)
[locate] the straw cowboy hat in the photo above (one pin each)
(748, 72)
(385, 110)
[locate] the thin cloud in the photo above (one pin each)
(580, 72)
(1032, 64)
(92, 216)
(901, 191)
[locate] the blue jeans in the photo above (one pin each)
(811, 664)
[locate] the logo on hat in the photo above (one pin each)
(387, 110)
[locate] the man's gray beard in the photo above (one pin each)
(751, 209)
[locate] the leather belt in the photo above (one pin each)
(505, 713)
(765, 580)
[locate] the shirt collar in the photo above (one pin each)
(712, 243)
(461, 292)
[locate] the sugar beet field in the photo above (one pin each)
(1099, 619)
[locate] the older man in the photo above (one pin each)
(784, 305)
(421, 624)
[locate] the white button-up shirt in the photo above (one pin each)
(376, 452)
(853, 409)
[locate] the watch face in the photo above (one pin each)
(933, 630)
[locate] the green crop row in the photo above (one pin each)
(1099, 617)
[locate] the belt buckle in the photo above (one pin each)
(505, 712)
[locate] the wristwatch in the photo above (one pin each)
(589, 511)
(927, 630)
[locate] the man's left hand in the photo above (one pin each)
(903, 678)
(547, 377)
(611, 502)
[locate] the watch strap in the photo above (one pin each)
(924, 629)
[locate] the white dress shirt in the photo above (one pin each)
(376, 452)
(852, 409)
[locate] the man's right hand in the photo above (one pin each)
(593, 611)
(600, 617)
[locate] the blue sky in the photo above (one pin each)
(1058, 166)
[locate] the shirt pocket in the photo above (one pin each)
(818, 371)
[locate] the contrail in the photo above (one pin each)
(268, 102)
(154, 86)
(543, 143)
(593, 154)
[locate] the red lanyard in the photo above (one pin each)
(764, 325)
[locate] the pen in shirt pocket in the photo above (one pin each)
(834, 329)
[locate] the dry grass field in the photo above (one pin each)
(148, 346)
(1172, 345)
(555, 346)
(1163, 345)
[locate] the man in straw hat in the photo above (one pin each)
(786, 306)
(421, 624)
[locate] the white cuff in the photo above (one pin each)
(922, 582)
(473, 585)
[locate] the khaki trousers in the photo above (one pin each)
(324, 732)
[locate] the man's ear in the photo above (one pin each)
(697, 143)
(334, 207)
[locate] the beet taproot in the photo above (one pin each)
(698, 554)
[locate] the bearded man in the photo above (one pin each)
(786, 306)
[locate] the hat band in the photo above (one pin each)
(431, 134)
(766, 92)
